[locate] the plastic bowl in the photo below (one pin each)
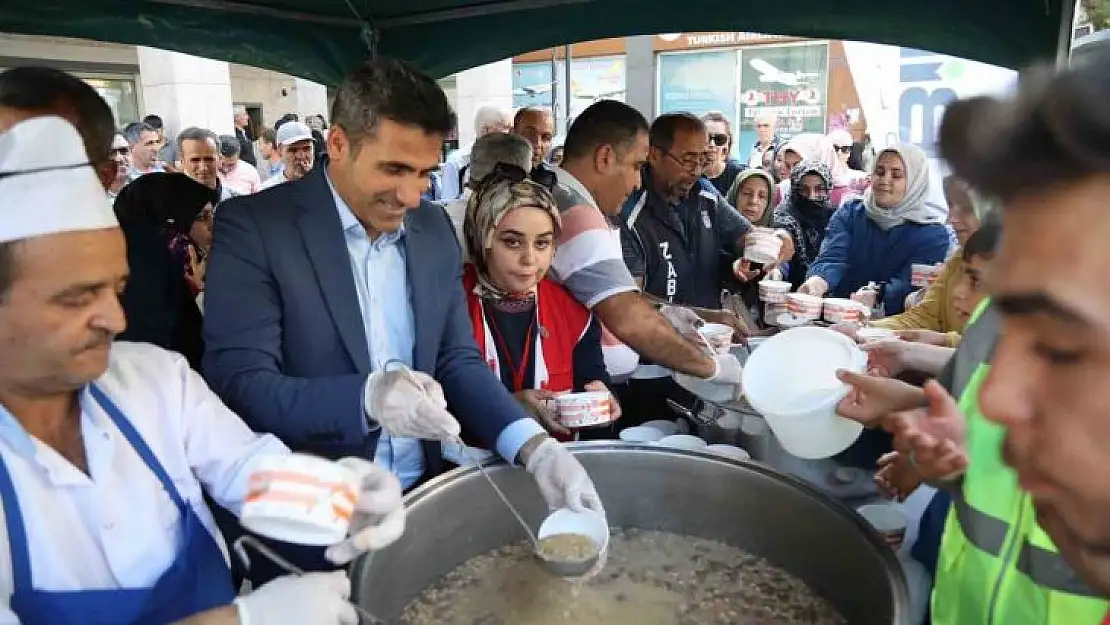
(729, 451)
(791, 380)
(565, 521)
(584, 410)
(663, 425)
(640, 434)
(682, 441)
(300, 499)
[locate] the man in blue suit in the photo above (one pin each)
(316, 287)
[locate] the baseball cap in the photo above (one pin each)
(292, 132)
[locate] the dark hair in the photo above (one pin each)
(154, 122)
(386, 88)
(667, 125)
(288, 117)
(719, 117)
(983, 241)
(229, 145)
(605, 122)
(1054, 131)
(269, 136)
(193, 133)
(525, 110)
(133, 132)
(43, 89)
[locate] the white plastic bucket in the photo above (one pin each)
(791, 381)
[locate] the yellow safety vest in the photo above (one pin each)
(996, 565)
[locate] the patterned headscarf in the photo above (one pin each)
(488, 205)
(810, 210)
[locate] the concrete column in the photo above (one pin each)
(639, 77)
(312, 98)
(485, 84)
(186, 90)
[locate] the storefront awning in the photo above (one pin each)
(322, 39)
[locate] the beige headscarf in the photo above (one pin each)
(914, 206)
(488, 205)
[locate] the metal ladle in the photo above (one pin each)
(561, 568)
(240, 549)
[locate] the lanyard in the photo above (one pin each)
(517, 370)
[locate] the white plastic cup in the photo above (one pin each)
(764, 246)
(923, 275)
(888, 519)
(772, 312)
(791, 381)
(682, 441)
(773, 291)
(719, 336)
(581, 410)
(838, 310)
(640, 434)
(586, 523)
(804, 306)
(871, 335)
(300, 499)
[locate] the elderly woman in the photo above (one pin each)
(878, 238)
(938, 318)
(535, 336)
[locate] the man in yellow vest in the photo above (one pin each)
(1046, 400)
(1028, 472)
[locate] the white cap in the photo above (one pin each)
(292, 132)
(47, 182)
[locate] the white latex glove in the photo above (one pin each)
(379, 517)
(410, 404)
(684, 320)
(562, 480)
(310, 599)
(728, 370)
(814, 285)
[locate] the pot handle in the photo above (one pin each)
(688, 413)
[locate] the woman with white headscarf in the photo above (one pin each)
(879, 237)
(817, 147)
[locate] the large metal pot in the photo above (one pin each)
(457, 516)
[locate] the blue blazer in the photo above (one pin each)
(286, 348)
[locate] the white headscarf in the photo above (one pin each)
(913, 206)
(817, 147)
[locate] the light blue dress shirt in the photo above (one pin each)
(385, 302)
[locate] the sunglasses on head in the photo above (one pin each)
(719, 139)
(514, 174)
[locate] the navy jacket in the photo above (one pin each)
(856, 251)
(286, 348)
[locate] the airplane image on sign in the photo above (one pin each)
(770, 73)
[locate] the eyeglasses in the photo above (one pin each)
(844, 149)
(719, 139)
(514, 174)
(690, 162)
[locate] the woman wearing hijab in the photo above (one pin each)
(940, 318)
(538, 339)
(751, 194)
(167, 222)
(805, 216)
(816, 147)
(878, 238)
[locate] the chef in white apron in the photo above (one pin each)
(107, 448)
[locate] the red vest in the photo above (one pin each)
(562, 320)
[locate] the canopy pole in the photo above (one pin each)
(1067, 29)
(566, 79)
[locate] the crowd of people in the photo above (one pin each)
(174, 311)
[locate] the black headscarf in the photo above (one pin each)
(812, 213)
(168, 202)
(805, 219)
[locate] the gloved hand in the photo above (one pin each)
(410, 404)
(379, 517)
(562, 480)
(684, 320)
(310, 599)
(728, 370)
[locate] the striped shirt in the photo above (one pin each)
(589, 262)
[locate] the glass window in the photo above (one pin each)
(698, 82)
(120, 94)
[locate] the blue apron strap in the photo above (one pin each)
(140, 446)
(17, 533)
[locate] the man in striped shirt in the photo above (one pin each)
(604, 152)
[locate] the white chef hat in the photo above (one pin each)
(47, 184)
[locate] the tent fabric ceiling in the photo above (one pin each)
(323, 39)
